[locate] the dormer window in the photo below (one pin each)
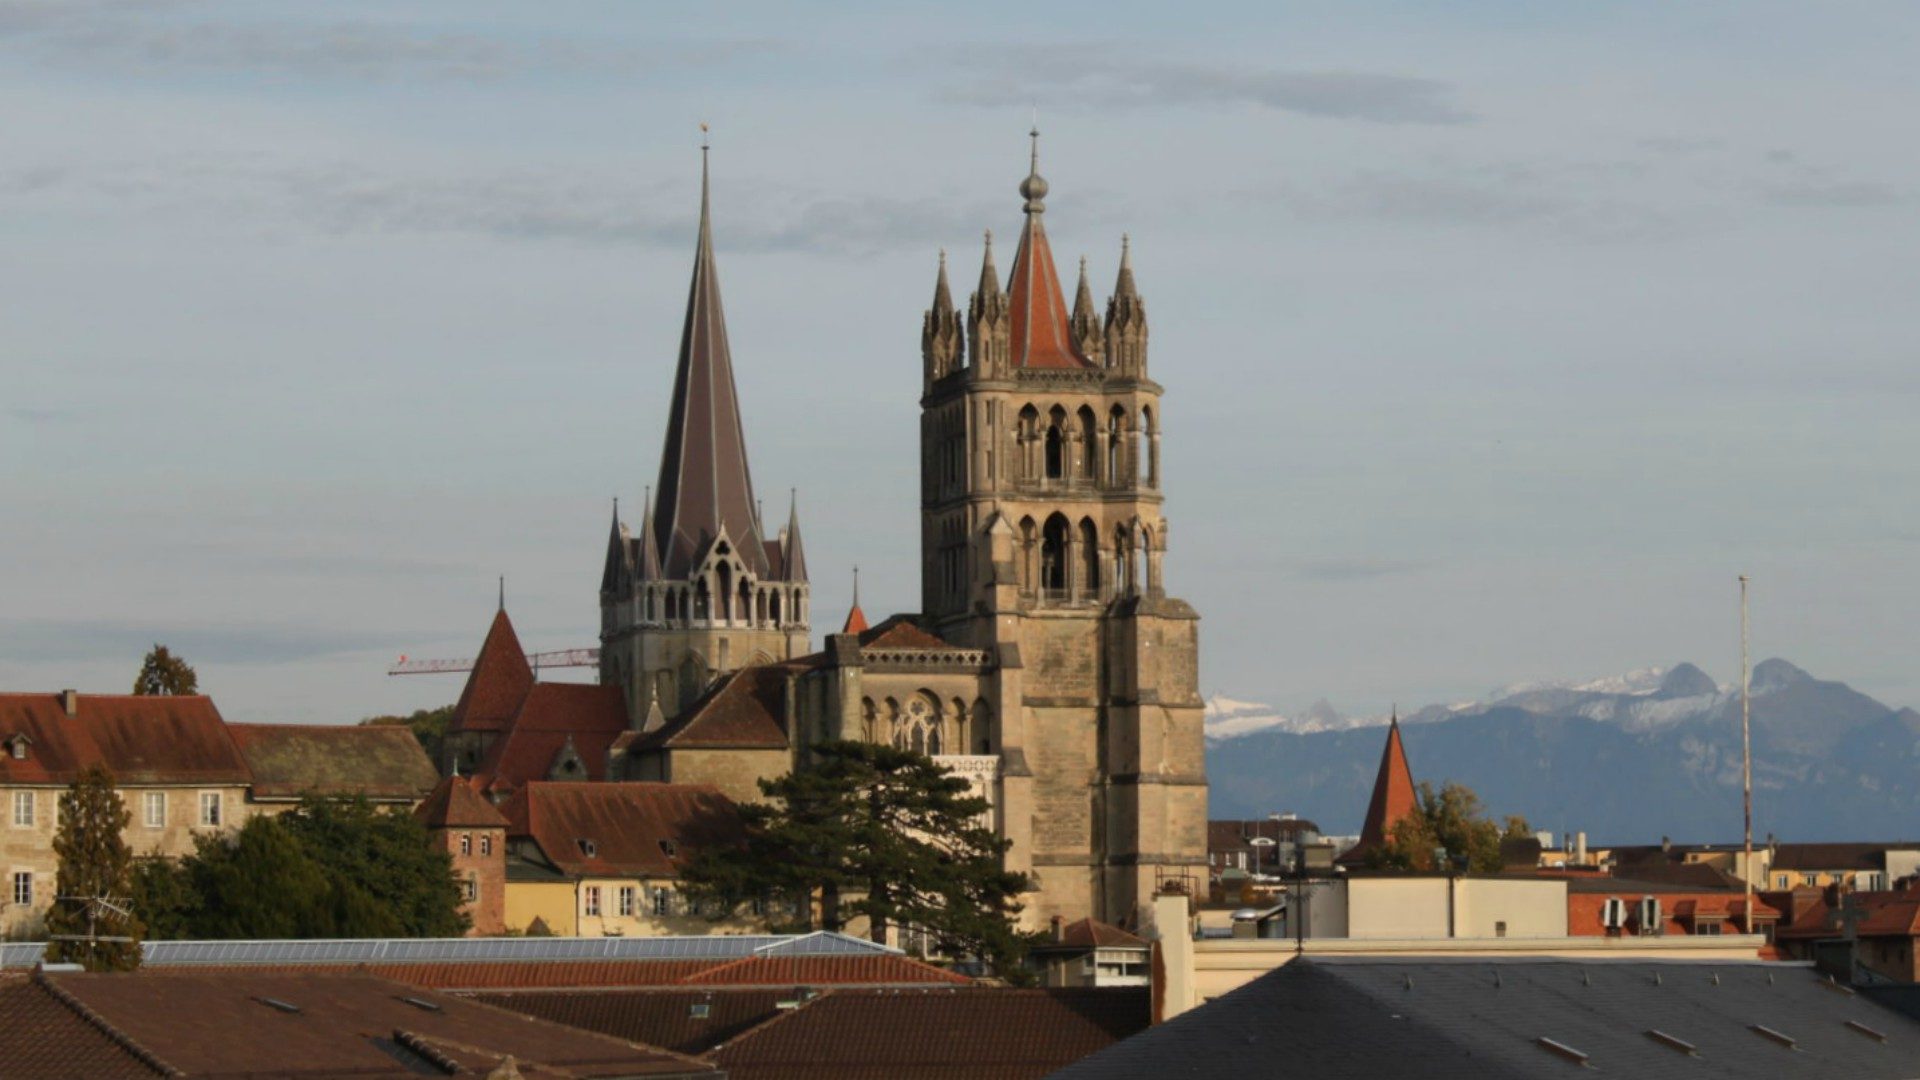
(16, 746)
(669, 848)
(587, 847)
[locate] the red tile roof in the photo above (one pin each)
(1041, 335)
(632, 829)
(331, 1025)
(744, 710)
(856, 621)
(681, 1020)
(870, 970)
(499, 682)
(455, 805)
(1394, 799)
(289, 760)
(150, 740)
(1091, 933)
(947, 1034)
(47, 1040)
(900, 632)
(550, 714)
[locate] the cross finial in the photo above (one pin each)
(503, 592)
(856, 585)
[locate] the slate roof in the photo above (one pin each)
(634, 829)
(705, 487)
(1483, 1020)
(310, 1025)
(142, 739)
(455, 805)
(289, 760)
(745, 709)
(1835, 856)
(985, 1033)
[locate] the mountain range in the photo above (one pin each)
(1626, 759)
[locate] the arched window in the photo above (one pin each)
(702, 607)
(1027, 556)
(982, 727)
(1056, 453)
(919, 727)
(1088, 437)
(744, 609)
(1116, 434)
(868, 718)
(776, 607)
(1028, 434)
(1053, 554)
(723, 576)
(1142, 450)
(1089, 558)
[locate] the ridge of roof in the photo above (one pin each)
(499, 682)
(1394, 798)
(454, 804)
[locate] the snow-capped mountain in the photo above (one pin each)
(1631, 757)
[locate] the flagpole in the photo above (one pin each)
(1746, 752)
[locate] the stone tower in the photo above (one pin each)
(701, 591)
(1042, 542)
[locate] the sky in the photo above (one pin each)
(1498, 338)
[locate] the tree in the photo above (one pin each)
(878, 832)
(164, 673)
(1451, 819)
(328, 868)
(92, 892)
(429, 726)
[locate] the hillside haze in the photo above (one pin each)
(1627, 759)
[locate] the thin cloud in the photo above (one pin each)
(1097, 79)
(80, 640)
(1838, 194)
(1502, 197)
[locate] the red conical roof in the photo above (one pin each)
(1394, 798)
(856, 621)
(1038, 313)
(500, 681)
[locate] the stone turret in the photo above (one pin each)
(942, 342)
(1126, 330)
(989, 331)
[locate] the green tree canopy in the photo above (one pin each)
(878, 832)
(93, 891)
(1450, 819)
(164, 673)
(328, 868)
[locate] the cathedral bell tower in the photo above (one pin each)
(702, 590)
(1042, 540)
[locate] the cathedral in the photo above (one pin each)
(1047, 664)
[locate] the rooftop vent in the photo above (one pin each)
(1780, 1037)
(276, 1003)
(700, 1010)
(1561, 1050)
(587, 847)
(1673, 1042)
(422, 1003)
(1857, 1026)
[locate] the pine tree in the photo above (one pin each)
(93, 889)
(884, 833)
(164, 673)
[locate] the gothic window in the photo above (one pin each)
(1053, 555)
(1089, 558)
(868, 718)
(918, 728)
(1028, 436)
(1029, 541)
(1057, 443)
(1115, 435)
(1089, 441)
(723, 575)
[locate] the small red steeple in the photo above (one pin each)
(1042, 337)
(1394, 798)
(856, 619)
(500, 681)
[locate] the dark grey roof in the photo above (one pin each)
(1442, 1019)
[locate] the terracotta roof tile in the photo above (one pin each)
(876, 969)
(901, 632)
(47, 1040)
(856, 621)
(227, 1024)
(947, 1034)
(160, 740)
(498, 683)
(476, 975)
(1394, 799)
(1042, 337)
(380, 762)
(454, 804)
(631, 829)
(592, 716)
(744, 710)
(1091, 933)
(681, 1020)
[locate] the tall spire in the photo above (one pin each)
(1126, 329)
(705, 486)
(792, 553)
(649, 563)
(1041, 336)
(989, 276)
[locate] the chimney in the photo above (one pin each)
(1059, 928)
(1666, 843)
(70, 702)
(1580, 849)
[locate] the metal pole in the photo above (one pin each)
(1746, 752)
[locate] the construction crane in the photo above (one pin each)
(560, 658)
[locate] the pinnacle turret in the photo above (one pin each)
(1087, 332)
(941, 340)
(1126, 329)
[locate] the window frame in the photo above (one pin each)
(466, 843)
(21, 877)
(590, 901)
(486, 843)
(218, 801)
(28, 800)
(628, 899)
(149, 800)
(662, 902)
